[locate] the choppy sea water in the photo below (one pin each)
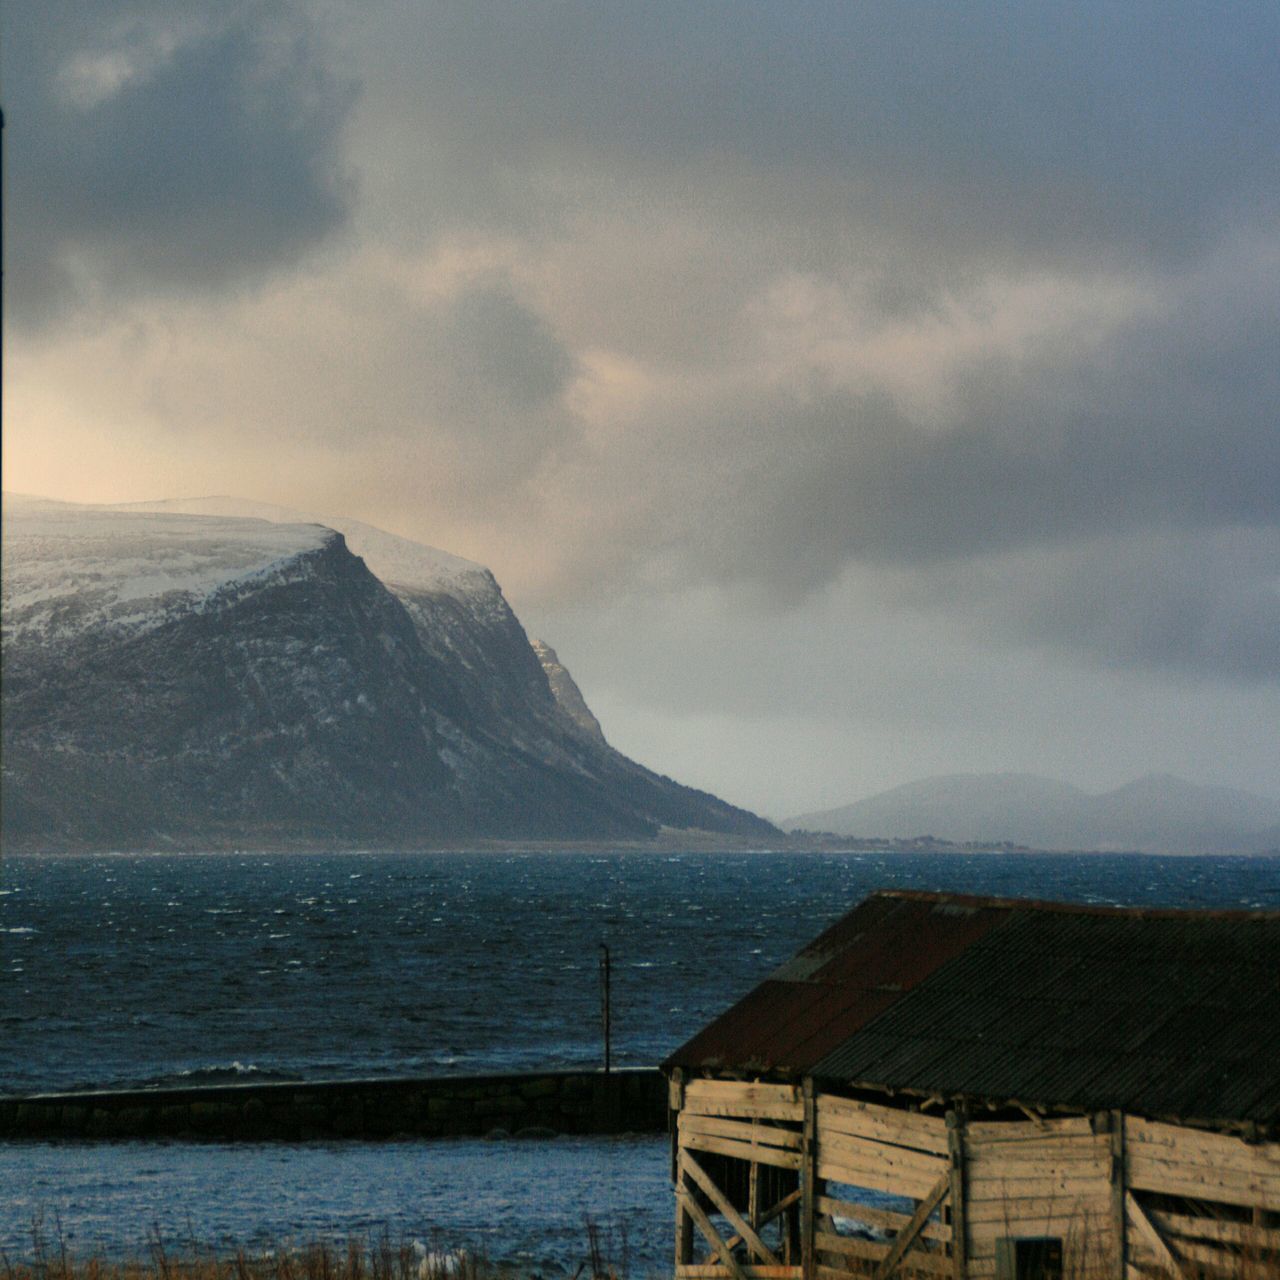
(140, 970)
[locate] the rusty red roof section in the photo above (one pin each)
(840, 981)
(1161, 1012)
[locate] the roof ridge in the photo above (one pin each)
(1077, 908)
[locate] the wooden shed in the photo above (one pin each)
(942, 1085)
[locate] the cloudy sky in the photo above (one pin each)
(848, 392)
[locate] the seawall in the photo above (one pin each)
(534, 1104)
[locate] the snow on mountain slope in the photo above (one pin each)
(462, 616)
(397, 561)
(69, 566)
(176, 679)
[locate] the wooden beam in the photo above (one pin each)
(1118, 1190)
(874, 1216)
(703, 1223)
(959, 1224)
(808, 1179)
(750, 1131)
(714, 1271)
(883, 1124)
(684, 1228)
(1151, 1237)
(694, 1140)
(1035, 1117)
(776, 1211)
(1252, 1235)
(875, 1251)
(722, 1202)
(754, 1101)
(852, 1149)
(787, 1201)
(906, 1238)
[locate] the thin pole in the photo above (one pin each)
(604, 1004)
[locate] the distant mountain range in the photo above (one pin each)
(214, 672)
(1155, 814)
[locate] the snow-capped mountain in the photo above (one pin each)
(216, 671)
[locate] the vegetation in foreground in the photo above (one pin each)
(386, 1259)
(382, 1258)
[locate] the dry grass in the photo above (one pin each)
(381, 1258)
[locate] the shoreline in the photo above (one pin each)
(682, 842)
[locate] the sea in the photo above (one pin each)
(128, 970)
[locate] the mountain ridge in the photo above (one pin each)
(1157, 813)
(174, 677)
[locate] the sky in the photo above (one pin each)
(849, 393)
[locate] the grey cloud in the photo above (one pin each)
(161, 146)
(1136, 485)
(1097, 128)
(1206, 605)
(499, 347)
(1170, 426)
(435, 400)
(1193, 605)
(481, 371)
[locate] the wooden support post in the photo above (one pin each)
(684, 1224)
(753, 1195)
(606, 1006)
(959, 1225)
(808, 1181)
(1119, 1216)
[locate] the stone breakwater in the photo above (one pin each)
(539, 1104)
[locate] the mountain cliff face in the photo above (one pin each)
(172, 679)
(1156, 814)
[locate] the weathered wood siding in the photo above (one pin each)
(1128, 1197)
(1225, 1189)
(738, 1160)
(862, 1146)
(1047, 1178)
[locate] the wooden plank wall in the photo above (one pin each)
(864, 1147)
(758, 1124)
(1049, 1177)
(1164, 1198)
(1229, 1194)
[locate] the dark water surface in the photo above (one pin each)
(165, 969)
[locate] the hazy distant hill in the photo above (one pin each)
(174, 678)
(1159, 813)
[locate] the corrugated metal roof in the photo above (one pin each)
(844, 978)
(1161, 1012)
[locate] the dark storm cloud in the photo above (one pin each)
(167, 146)
(977, 303)
(989, 126)
(1191, 604)
(1119, 500)
(1172, 424)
